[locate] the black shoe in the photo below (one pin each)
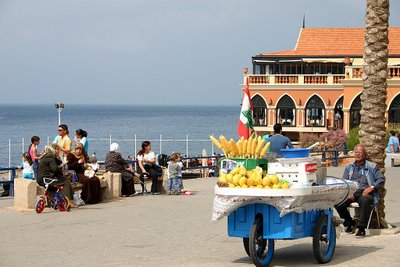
(350, 228)
(360, 232)
(155, 193)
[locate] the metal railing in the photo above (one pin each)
(186, 146)
(332, 155)
(9, 182)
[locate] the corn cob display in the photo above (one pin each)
(253, 148)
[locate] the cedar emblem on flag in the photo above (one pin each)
(246, 114)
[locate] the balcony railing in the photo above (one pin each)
(352, 72)
(355, 72)
(296, 79)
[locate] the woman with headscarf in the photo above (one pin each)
(50, 166)
(91, 191)
(115, 163)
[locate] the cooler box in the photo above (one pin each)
(292, 225)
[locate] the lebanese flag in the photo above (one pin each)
(246, 114)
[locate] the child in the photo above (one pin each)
(27, 171)
(35, 156)
(174, 182)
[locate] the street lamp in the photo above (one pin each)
(60, 107)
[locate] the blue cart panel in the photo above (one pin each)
(291, 226)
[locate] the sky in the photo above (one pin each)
(176, 52)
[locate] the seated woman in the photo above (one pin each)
(50, 166)
(115, 163)
(91, 192)
(146, 166)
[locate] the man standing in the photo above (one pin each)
(370, 179)
(278, 141)
(63, 141)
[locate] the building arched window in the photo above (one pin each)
(286, 111)
(315, 112)
(338, 117)
(394, 113)
(355, 112)
(259, 111)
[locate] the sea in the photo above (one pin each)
(184, 129)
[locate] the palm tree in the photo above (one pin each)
(373, 99)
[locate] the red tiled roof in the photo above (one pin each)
(335, 42)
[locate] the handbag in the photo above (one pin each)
(158, 169)
(89, 172)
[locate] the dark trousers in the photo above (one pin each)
(365, 203)
(152, 174)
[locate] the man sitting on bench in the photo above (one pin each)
(370, 179)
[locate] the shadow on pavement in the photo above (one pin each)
(302, 254)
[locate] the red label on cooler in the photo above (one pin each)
(311, 167)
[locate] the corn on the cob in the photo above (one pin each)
(216, 142)
(265, 149)
(259, 147)
(249, 144)
(239, 145)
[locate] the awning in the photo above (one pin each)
(323, 60)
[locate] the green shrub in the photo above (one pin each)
(353, 138)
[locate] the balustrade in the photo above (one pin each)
(316, 79)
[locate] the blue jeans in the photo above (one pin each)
(35, 169)
(174, 184)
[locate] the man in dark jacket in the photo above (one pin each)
(370, 179)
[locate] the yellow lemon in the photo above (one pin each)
(231, 185)
(266, 181)
(222, 179)
(260, 186)
(235, 171)
(229, 178)
(285, 186)
(235, 179)
(242, 181)
(244, 186)
(274, 179)
(267, 187)
(250, 182)
(276, 186)
(258, 181)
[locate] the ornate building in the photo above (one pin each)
(317, 85)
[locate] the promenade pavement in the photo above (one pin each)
(169, 231)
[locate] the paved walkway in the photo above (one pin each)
(168, 231)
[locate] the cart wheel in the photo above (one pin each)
(261, 250)
(39, 207)
(64, 204)
(322, 247)
(246, 245)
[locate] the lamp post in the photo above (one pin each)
(60, 107)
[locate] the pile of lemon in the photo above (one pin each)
(239, 177)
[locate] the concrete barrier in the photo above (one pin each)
(25, 192)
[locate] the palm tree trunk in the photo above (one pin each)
(373, 99)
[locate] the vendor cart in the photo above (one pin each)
(261, 216)
(260, 225)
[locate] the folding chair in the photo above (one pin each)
(355, 205)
